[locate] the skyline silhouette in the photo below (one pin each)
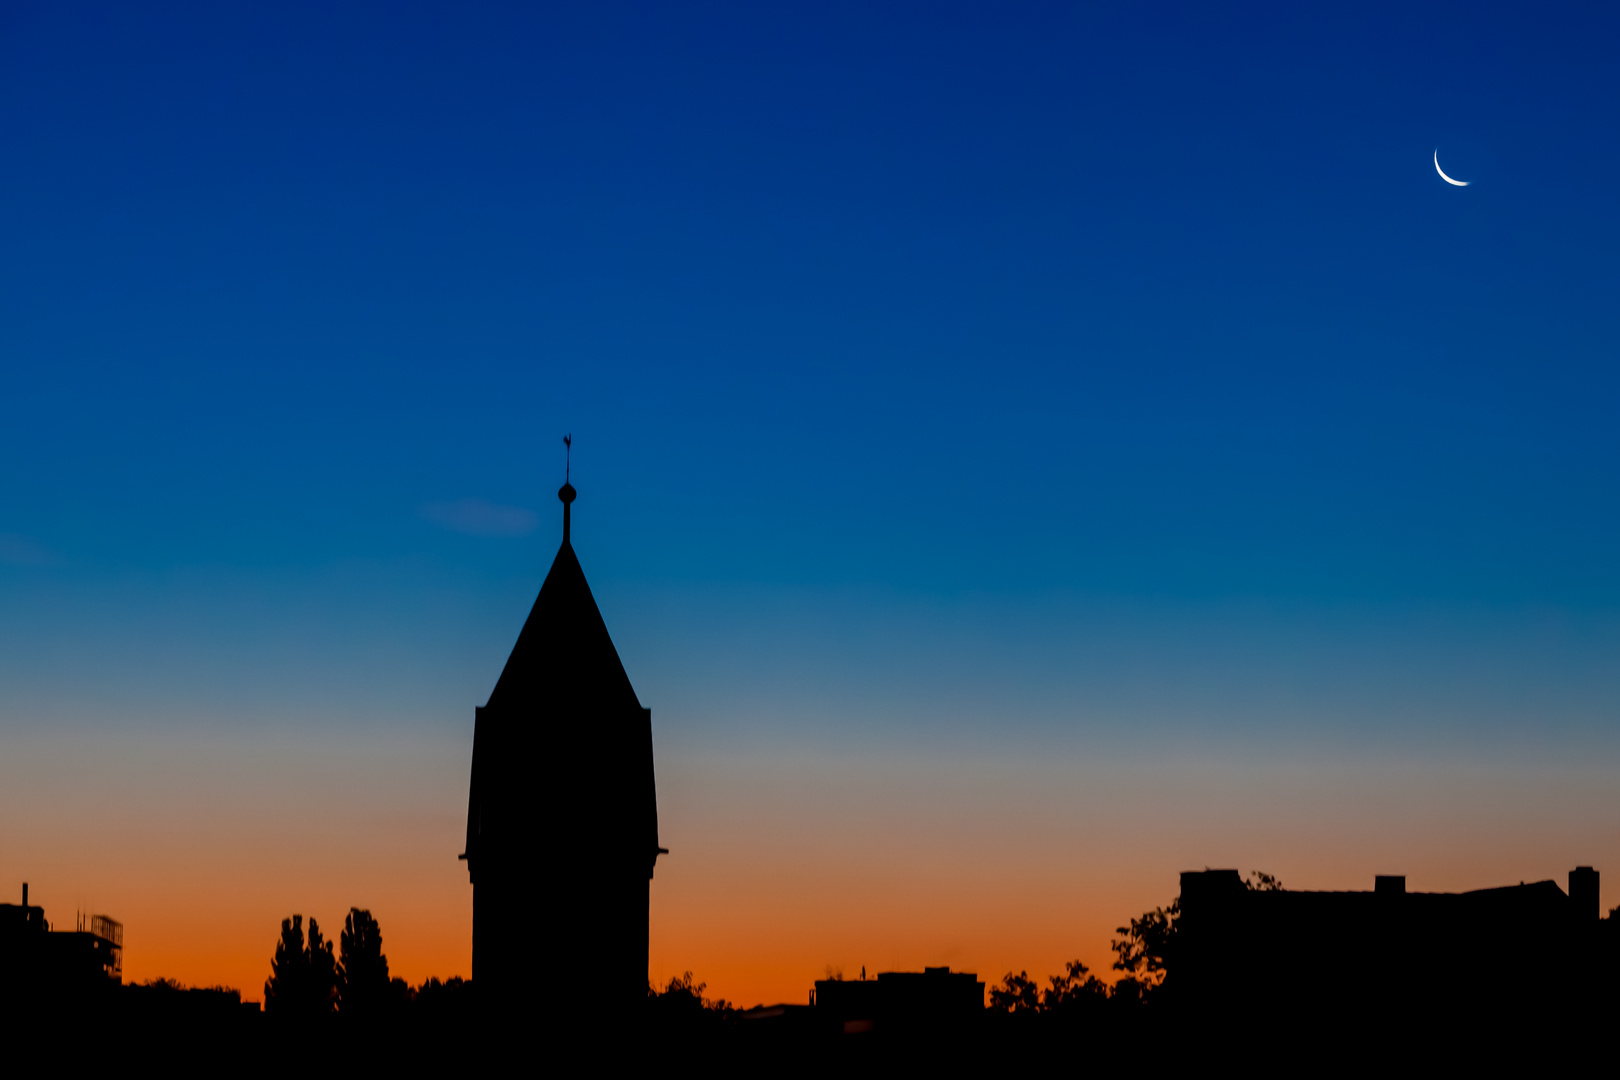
(1512, 974)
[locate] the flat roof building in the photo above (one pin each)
(935, 1002)
(1384, 954)
(41, 964)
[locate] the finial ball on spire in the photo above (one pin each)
(566, 492)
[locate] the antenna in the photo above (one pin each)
(566, 493)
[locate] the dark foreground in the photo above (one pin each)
(219, 1035)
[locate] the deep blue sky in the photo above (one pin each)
(943, 298)
(1150, 307)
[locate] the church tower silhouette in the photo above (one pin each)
(562, 820)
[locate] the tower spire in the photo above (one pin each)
(566, 492)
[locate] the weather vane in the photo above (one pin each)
(568, 455)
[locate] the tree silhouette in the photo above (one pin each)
(289, 969)
(1144, 949)
(682, 995)
(363, 985)
(1075, 988)
(681, 1007)
(303, 977)
(323, 973)
(449, 996)
(1260, 881)
(1016, 994)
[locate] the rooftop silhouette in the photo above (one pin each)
(1526, 953)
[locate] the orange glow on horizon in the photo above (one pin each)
(778, 871)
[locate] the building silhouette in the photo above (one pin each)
(1387, 957)
(40, 964)
(936, 1004)
(562, 819)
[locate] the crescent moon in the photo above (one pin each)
(1442, 172)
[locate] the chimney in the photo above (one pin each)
(1389, 884)
(1583, 894)
(25, 894)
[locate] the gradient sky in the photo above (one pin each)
(1024, 452)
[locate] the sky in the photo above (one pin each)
(1024, 452)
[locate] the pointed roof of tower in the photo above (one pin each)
(563, 750)
(564, 648)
